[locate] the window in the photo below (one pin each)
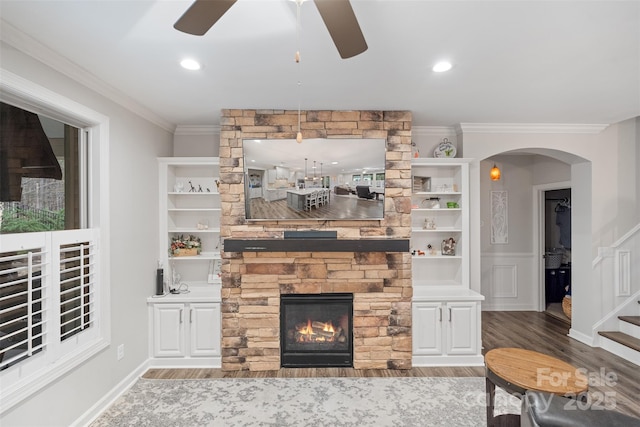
(367, 177)
(380, 177)
(40, 173)
(355, 178)
(54, 311)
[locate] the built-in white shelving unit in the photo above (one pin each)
(185, 326)
(190, 205)
(446, 313)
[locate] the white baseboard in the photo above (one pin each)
(94, 412)
(508, 307)
(185, 362)
(435, 361)
(579, 336)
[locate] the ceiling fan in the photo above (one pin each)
(338, 17)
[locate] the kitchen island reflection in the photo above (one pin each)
(300, 199)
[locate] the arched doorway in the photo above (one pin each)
(512, 271)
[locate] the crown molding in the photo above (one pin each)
(531, 128)
(42, 53)
(197, 130)
(433, 130)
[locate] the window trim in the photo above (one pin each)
(95, 126)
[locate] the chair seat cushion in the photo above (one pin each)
(548, 410)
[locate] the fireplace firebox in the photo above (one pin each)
(316, 330)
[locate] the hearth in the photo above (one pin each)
(316, 330)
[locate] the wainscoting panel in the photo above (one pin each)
(508, 283)
(623, 273)
(504, 281)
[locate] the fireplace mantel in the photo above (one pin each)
(316, 245)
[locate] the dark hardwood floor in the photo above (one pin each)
(609, 376)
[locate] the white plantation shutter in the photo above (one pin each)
(49, 304)
(22, 304)
(77, 288)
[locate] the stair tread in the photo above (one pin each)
(622, 338)
(630, 319)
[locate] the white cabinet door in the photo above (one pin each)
(427, 328)
(462, 334)
(168, 330)
(449, 328)
(204, 321)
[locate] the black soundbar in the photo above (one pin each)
(316, 245)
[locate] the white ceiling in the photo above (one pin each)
(513, 61)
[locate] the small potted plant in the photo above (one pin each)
(185, 246)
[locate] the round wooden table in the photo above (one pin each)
(517, 370)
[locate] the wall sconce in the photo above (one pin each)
(495, 173)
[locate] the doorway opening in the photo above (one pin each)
(557, 253)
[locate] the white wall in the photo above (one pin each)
(134, 144)
(600, 184)
(196, 141)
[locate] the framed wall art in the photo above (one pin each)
(499, 218)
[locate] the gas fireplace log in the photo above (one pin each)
(318, 325)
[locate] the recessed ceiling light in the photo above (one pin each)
(190, 64)
(442, 66)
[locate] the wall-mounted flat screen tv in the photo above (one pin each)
(317, 179)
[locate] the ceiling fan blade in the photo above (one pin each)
(340, 20)
(202, 15)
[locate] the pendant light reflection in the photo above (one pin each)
(495, 173)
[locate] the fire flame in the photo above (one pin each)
(307, 330)
(306, 333)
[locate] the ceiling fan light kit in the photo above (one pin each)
(338, 17)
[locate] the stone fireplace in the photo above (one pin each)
(379, 279)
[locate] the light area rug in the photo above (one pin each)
(306, 402)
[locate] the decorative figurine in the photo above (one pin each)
(449, 246)
(192, 189)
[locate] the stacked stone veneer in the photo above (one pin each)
(252, 282)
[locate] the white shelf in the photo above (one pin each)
(202, 256)
(194, 230)
(189, 193)
(435, 257)
(198, 292)
(441, 291)
(438, 210)
(437, 193)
